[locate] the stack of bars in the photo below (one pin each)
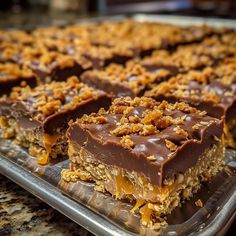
(142, 110)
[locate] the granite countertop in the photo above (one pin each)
(23, 214)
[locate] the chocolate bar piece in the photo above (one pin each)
(213, 90)
(144, 37)
(56, 66)
(46, 64)
(211, 52)
(37, 118)
(101, 56)
(129, 80)
(154, 154)
(12, 75)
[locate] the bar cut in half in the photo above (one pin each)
(38, 118)
(154, 154)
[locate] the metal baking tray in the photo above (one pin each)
(103, 215)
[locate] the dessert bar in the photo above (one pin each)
(12, 75)
(37, 118)
(213, 90)
(154, 154)
(129, 80)
(210, 52)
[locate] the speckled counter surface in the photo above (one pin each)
(23, 214)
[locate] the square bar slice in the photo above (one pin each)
(12, 75)
(210, 52)
(213, 90)
(38, 118)
(147, 152)
(129, 80)
(52, 65)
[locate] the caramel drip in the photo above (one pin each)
(123, 185)
(138, 204)
(49, 141)
(146, 214)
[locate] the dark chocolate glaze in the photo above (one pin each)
(7, 85)
(174, 70)
(225, 107)
(116, 89)
(99, 63)
(106, 147)
(25, 114)
(57, 73)
(119, 89)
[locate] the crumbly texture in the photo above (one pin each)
(55, 53)
(40, 145)
(151, 201)
(230, 133)
(139, 122)
(42, 103)
(12, 71)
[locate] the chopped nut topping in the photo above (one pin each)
(199, 203)
(47, 99)
(196, 126)
(132, 75)
(127, 142)
(151, 158)
(180, 131)
(170, 145)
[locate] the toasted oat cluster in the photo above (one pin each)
(12, 70)
(155, 154)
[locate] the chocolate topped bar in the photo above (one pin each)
(144, 37)
(51, 65)
(101, 56)
(129, 80)
(12, 75)
(210, 52)
(39, 117)
(156, 139)
(213, 90)
(153, 154)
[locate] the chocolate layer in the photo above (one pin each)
(63, 103)
(213, 90)
(196, 133)
(131, 79)
(12, 74)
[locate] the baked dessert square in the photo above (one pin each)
(131, 79)
(37, 118)
(12, 75)
(213, 90)
(210, 52)
(153, 154)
